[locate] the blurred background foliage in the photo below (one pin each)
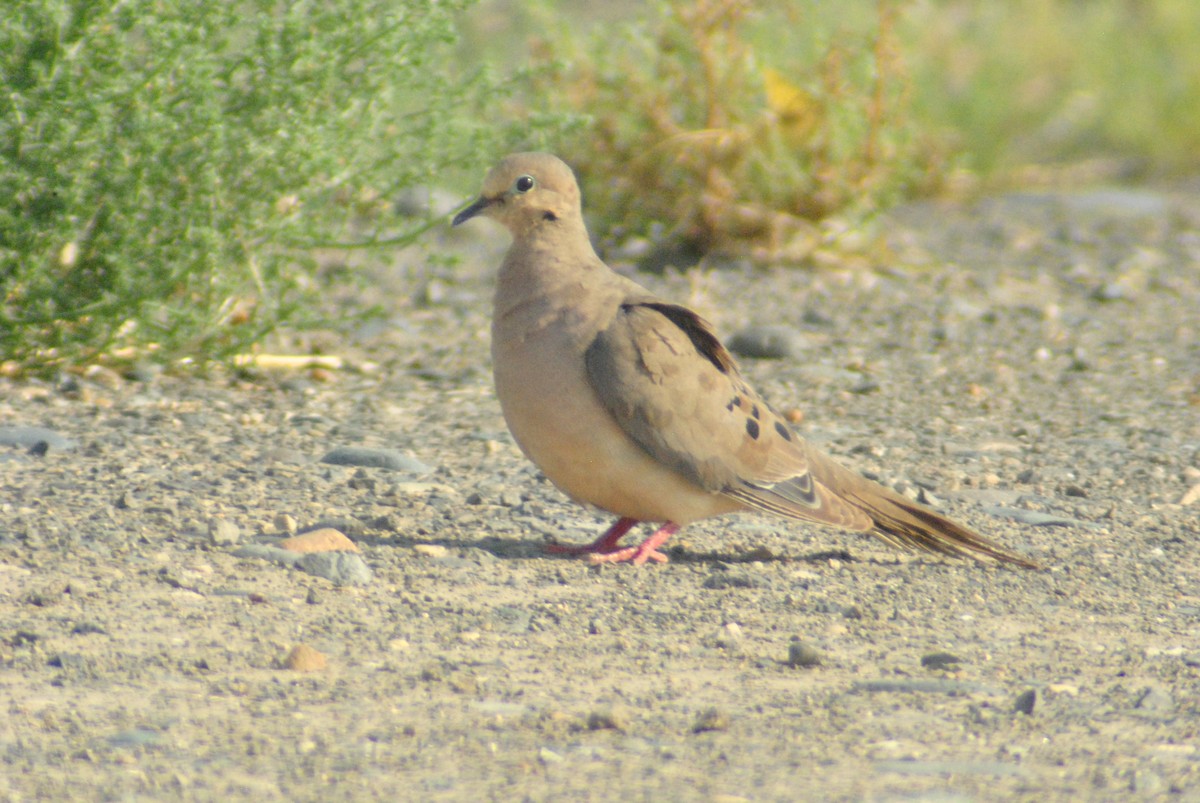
(171, 171)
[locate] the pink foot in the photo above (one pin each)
(647, 550)
(605, 550)
(605, 543)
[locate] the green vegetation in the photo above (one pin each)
(169, 168)
(734, 126)
(1056, 82)
(738, 125)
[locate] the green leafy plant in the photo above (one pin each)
(735, 126)
(168, 169)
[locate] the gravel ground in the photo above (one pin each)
(1031, 365)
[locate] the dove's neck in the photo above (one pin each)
(551, 273)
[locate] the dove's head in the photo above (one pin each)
(526, 192)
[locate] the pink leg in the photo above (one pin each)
(647, 550)
(604, 544)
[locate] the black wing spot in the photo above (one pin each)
(783, 430)
(752, 428)
(696, 329)
(754, 412)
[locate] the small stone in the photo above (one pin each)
(767, 342)
(728, 637)
(710, 719)
(548, 756)
(340, 568)
(434, 551)
(940, 660)
(1025, 702)
(614, 719)
(326, 539)
(391, 459)
(720, 581)
(285, 523)
(926, 497)
(1155, 698)
(1191, 496)
(30, 437)
(312, 597)
(304, 658)
(223, 532)
(463, 682)
(1147, 783)
(803, 655)
(267, 552)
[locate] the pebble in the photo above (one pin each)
(923, 685)
(548, 756)
(1035, 518)
(1191, 496)
(223, 532)
(1155, 698)
(802, 654)
(39, 438)
(368, 457)
(138, 737)
(304, 658)
(940, 660)
(710, 719)
(434, 551)
(267, 552)
(339, 568)
(767, 342)
(1025, 702)
(326, 539)
(285, 523)
(614, 719)
(719, 581)
(728, 637)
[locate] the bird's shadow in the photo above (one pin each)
(532, 548)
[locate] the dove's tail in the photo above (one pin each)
(903, 522)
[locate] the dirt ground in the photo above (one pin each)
(1031, 364)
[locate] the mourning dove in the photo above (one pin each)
(630, 403)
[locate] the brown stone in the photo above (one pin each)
(326, 539)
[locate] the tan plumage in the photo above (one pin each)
(631, 403)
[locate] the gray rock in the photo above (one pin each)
(925, 686)
(948, 768)
(223, 532)
(725, 580)
(940, 660)
(1156, 699)
(391, 459)
(1025, 702)
(339, 568)
(1035, 518)
(803, 654)
(34, 437)
(767, 342)
(274, 554)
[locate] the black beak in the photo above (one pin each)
(472, 210)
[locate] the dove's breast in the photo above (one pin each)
(558, 421)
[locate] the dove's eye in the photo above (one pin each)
(524, 184)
